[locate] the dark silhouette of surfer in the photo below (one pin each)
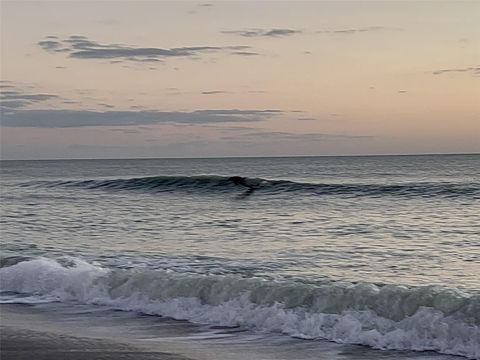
(241, 181)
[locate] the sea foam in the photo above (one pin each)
(383, 317)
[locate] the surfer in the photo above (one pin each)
(240, 180)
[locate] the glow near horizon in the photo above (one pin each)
(353, 78)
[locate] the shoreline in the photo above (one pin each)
(21, 344)
(62, 331)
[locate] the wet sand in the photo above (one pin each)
(19, 344)
(25, 334)
(61, 331)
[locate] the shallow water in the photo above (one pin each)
(196, 342)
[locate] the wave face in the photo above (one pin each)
(228, 184)
(384, 317)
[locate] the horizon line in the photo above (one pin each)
(244, 157)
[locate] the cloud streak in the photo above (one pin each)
(279, 32)
(355, 30)
(82, 118)
(251, 33)
(310, 137)
(80, 47)
(245, 53)
(14, 98)
(475, 70)
(214, 92)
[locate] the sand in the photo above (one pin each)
(19, 344)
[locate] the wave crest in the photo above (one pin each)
(387, 317)
(210, 183)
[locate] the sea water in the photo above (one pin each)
(381, 251)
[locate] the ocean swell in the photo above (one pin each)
(214, 183)
(384, 317)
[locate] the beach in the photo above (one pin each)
(38, 331)
(19, 342)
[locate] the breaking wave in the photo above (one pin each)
(214, 183)
(384, 317)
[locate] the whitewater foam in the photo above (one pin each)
(384, 317)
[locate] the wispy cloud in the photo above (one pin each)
(127, 131)
(13, 104)
(214, 92)
(263, 32)
(80, 118)
(51, 45)
(282, 32)
(232, 128)
(475, 70)
(80, 47)
(245, 53)
(12, 97)
(16, 95)
(286, 136)
(355, 30)
(106, 105)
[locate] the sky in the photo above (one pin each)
(119, 79)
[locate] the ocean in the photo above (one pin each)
(354, 257)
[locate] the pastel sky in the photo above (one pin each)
(118, 79)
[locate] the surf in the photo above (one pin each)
(397, 317)
(208, 184)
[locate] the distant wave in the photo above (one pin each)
(213, 183)
(384, 317)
